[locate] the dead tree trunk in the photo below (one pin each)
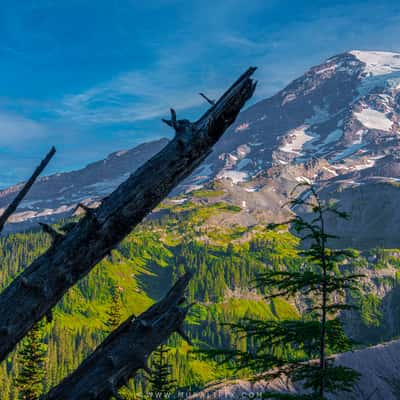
(125, 350)
(71, 257)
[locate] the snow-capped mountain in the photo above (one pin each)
(336, 126)
(345, 111)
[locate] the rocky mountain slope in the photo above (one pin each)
(344, 111)
(56, 196)
(378, 366)
(336, 126)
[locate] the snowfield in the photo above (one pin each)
(298, 138)
(234, 176)
(373, 119)
(378, 62)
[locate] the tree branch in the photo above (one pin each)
(20, 196)
(208, 100)
(125, 350)
(33, 293)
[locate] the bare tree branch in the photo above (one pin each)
(207, 99)
(125, 350)
(33, 293)
(20, 196)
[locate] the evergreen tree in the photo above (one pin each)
(114, 314)
(161, 382)
(32, 357)
(283, 346)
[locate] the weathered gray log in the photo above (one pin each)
(125, 350)
(25, 189)
(33, 293)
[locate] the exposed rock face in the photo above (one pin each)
(378, 366)
(374, 213)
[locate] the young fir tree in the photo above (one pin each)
(32, 357)
(284, 347)
(114, 314)
(161, 382)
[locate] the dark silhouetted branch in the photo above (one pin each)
(20, 196)
(208, 100)
(97, 233)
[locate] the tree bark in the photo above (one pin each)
(33, 293)
(125, 350)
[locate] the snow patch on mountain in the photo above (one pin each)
(378, 62)
(381, 69)
(234, 176)
(374, 119)
(296, 140)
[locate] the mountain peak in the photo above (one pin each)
(378, 62)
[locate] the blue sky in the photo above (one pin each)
(92, 77)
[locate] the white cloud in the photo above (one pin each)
(16, 131)
(241, 42)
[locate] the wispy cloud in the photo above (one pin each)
(139, 95)
(133, 96)
(17, 131)
(241, 42)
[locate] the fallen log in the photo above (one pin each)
(71, 257)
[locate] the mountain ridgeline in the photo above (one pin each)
(336, 127)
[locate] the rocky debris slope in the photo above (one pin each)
(378, 365)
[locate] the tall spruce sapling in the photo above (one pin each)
(32, 357)
(284, 347)
(162, 384)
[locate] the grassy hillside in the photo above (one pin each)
(147, 263)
